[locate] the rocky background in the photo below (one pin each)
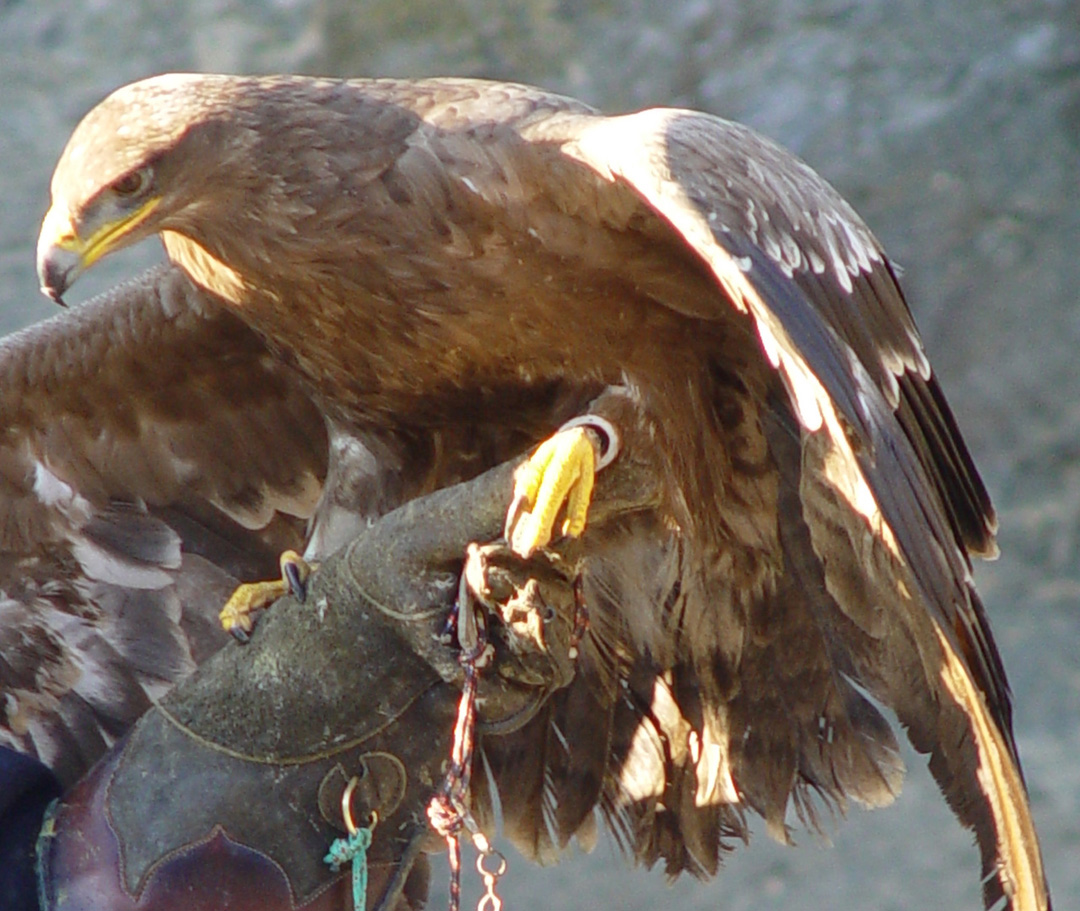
(954, 128)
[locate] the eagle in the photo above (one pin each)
(444, 270)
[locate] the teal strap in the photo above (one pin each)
(42, 848)
(353, 848)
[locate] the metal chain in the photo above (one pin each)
(490, 901)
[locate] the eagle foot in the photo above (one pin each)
(560, 473)
(238, 614)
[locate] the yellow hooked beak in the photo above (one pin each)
(62, 255)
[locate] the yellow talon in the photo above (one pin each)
(238, 614)
(561, 471)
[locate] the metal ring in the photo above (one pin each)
(346, 805)
(346, 809)
(606, 430)
(499, 870)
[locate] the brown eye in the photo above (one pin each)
(132, 183)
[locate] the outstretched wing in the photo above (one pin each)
(888, 497)
(879, 504)
(152, 455)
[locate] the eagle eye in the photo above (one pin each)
(133, 183)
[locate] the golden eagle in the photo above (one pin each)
(444, 263)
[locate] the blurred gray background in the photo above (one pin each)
(953, 127)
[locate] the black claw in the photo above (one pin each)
(297, 585)
(239, 635)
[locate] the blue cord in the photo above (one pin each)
(353, 848)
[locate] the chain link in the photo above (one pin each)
(490, 901)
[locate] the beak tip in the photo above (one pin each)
(53, 294)
(57, 269)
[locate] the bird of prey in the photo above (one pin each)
(429, 255)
